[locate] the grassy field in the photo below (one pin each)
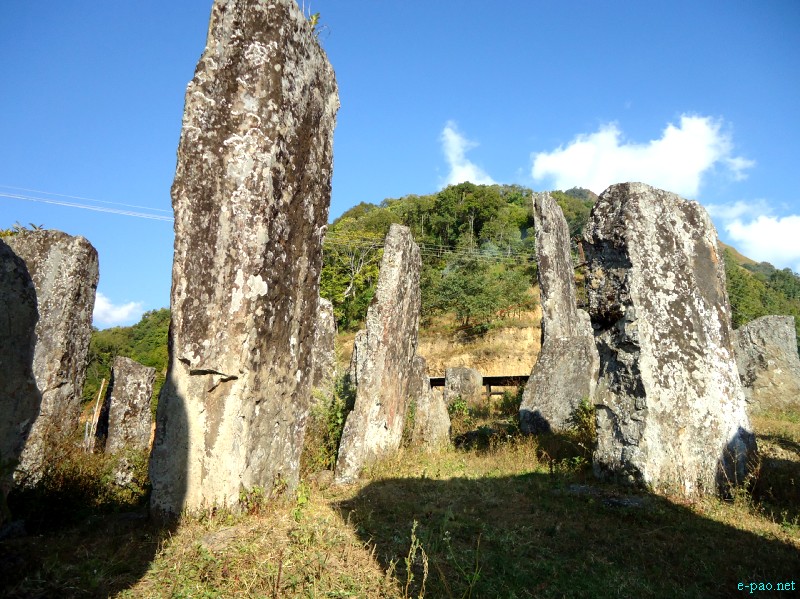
(499, 516)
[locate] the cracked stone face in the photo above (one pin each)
(382, 363)
(64, 270)
(323, 374)
(19, 396)
(125, 419)
(431, 419)
(465, 383)
(670, 407)
(769, 367)
(251, 197)
(565, 372)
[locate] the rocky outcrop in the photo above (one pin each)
(382, 361)
(463, 383)
(64, 270)
(19, 396)
(769, 367)
(323, 363)
(251, 197)
(431, 420)
(670, 407)
(125, 419)
(567, 368)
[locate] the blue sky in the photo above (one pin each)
(700, 98)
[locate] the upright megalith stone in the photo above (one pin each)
(382, 362)
(670, 407)
(769, 367)
(431, 419)
(567, 368)
(19, 397)
(323, 363)
(251, 197)
(125, 419)
(64, 271)
(463, 383)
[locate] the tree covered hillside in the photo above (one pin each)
(757, 289)
(477, 247)
(478, 263)
(145, 342)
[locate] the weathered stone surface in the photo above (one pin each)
(670, 407)
(125, 419)
(567, 368)
(465, 383)
(19, 396)
(769, 367)
(431, 420)
(251, 197)
(64, 270)
(382, 361)
(323, 364)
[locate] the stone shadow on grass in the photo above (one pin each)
(540, 535)
(82, 536)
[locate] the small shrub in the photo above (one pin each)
(509, 402)
(461, 417)
(584, 427)
(325, 426)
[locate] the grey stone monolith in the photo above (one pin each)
(461, 382)
(769, 367)
(19, 396)
(431, 419)
(65, 271)
(566, 370)
(125, 419)
(251, 198)
(382, 362)
(323, 373)
(670, 407)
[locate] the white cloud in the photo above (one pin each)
(738, 210)
(107, 314)
(768, 239)
(455, 146)
(676, 161)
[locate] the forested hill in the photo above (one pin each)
(478, 264)
(757, 289)
(477, 247)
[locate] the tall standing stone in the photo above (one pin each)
(382, 361)
(125, 419)
(19, 397)
(670, 407)
(431, 419)
(769, 367)
(567, 368)
(323, 373)
(64, 270)
(251, 197)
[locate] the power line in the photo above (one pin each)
(63, 195)
(88, 207)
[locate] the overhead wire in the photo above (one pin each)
(39, 200)
(337, 239)
(63, 195)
